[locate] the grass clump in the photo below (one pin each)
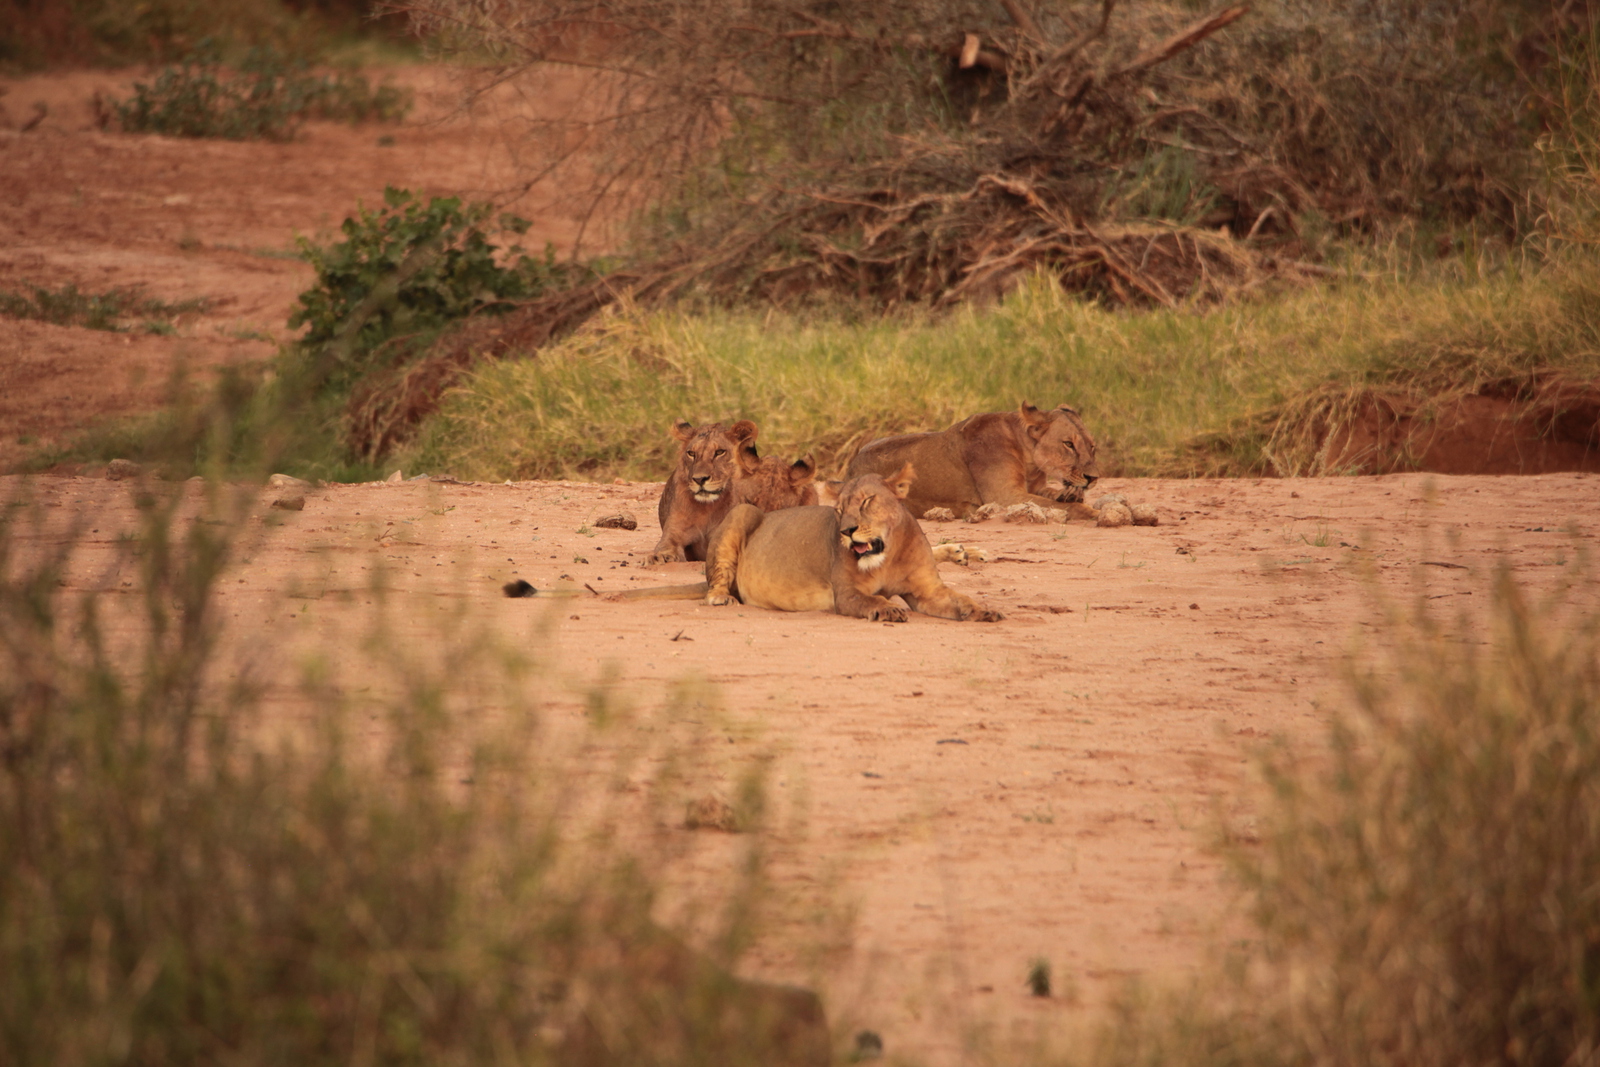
(1424, 892)
(407, 872)
(1183, 392)
(108, 310)
(267, 96)
(1430, 894)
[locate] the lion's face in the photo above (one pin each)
(870, 514)
(1062, 446)
(707, 461)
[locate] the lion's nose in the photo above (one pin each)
(1088, 480)
(700, 479)
(848, 531)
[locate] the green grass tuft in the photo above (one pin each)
(97, 311)
(266, 97)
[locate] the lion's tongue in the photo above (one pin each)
(861, 548)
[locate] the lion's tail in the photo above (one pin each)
(663, 592)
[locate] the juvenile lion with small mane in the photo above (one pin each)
(717, 469)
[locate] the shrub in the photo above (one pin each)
(267, 97)
(411, 267)
(1429, 897)
(409, 877)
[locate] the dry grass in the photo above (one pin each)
(1253, 387)
(1423, 891)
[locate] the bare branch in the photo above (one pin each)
(1184, 40)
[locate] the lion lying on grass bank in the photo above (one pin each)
(1002, 457)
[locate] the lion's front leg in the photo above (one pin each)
(724, 548)
(666, 551)
(932, 597)
(850, 600)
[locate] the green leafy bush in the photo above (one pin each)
(266, 97)
(412, 267)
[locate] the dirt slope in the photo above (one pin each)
(184, 219)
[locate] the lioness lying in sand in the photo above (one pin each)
(1002, 457)
(849, 559)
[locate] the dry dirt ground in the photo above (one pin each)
(183, 219)
(971, 796)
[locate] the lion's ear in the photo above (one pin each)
(748, 458)
(1070, 411)
(683, 430)
(802, 470)
(900, 482)
(743, 431)
(1034, 419)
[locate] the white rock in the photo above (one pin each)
(1026, 512)
(939, 515)
(988, 511)
(1115, 514)
(287, 481)
(1144, 515)
(396, 478)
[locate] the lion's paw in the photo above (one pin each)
(950, 552)
(889, 613)
(987, 511)
(1026, 512)
(1115, 514)
(655, 558)
(985, 615)
(718, 600)
(939, 515)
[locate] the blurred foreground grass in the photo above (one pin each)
(409, 869)
(1427, 893)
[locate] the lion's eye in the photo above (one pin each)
(1071, 447)
(689, 454)
(720, 453)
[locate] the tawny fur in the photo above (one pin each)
(1002, 457)
(850, 559)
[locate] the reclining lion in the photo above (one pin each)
(718, 468)
(847, 559)
(1003, 457)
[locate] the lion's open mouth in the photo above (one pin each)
(868, 553)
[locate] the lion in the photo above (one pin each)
(772, 485)
(717, 469)
(1002, 457)
(698, 491)
(847, 559)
